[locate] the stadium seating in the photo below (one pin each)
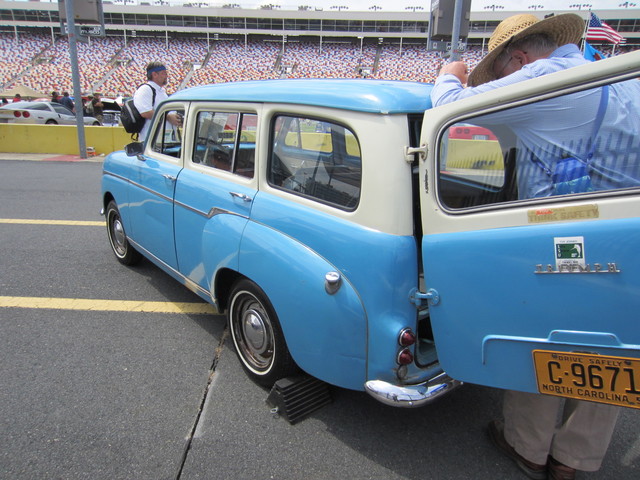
(115, 66)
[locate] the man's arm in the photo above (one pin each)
(449, 84)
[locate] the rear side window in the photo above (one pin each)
(316, 159)
(40, 106)
(61, 109)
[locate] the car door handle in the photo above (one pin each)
(241, 196)
(169, 177)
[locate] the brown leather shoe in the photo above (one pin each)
(559, 471)
(530, 469)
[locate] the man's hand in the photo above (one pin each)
(459, 69)
(175, 119)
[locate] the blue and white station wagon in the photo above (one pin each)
(351, 231)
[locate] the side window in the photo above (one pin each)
(167, 138)
(571, 144)
(473, 168)
(60, 109)
(226, 141)
(316, 159)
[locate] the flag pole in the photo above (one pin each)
(584, 33)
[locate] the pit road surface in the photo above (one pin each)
(120, 373)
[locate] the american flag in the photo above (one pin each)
(600, 31)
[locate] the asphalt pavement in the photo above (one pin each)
(97, 394)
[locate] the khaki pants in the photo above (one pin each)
(574, 432)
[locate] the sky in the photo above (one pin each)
(401, 5)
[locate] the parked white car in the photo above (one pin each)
(48, 113)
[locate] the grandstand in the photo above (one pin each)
(202, 44)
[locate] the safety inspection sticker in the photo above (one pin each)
(569, 252)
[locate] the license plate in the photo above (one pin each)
(597, 378)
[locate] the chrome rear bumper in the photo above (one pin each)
(411, 396)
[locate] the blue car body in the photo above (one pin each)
(341, 217)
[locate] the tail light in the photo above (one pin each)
(16, 114)
(405, 357)
(406, 338)
(26, 114)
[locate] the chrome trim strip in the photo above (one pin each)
(131, 182)
(212, 212)
(153, 192)
(120, 177)
(208, 215)
(221, 211)
(411, 396)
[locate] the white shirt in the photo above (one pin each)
(143, 100)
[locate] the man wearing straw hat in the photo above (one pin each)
(593, 130)
(521, 48)
(505, 57)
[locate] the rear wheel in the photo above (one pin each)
(124, 252)
(257, 335)
(51, 122)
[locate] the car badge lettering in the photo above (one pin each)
(610, 267)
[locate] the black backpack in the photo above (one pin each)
(130, 117)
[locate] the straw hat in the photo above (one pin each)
(564, 28)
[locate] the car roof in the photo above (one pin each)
(22, 104)
(374, 96)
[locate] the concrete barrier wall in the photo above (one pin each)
(60, 139)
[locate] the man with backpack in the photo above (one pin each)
(149, 94)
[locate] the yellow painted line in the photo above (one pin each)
(73, 223)
(106, 305)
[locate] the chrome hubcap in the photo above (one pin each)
(118, 233)
(118, 237)
(254, 331)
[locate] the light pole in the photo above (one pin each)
(414, 8)
(339, 7)
(375, 7)
(493, 8)
(627, 5)
(535, 7)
